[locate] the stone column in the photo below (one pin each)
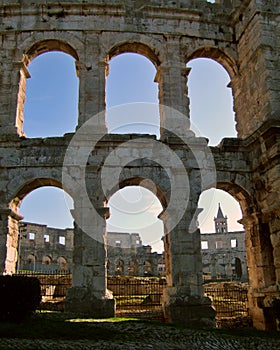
(183, 298)
(92, 94)
(274, 223)
(12, 96)
(89, 294)
(8, 240)
(174, 103)
(21, 96)
(262, 272)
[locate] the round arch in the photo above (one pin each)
(156, 189)
(54, 40)
(49, 45)
(132, 46)
(36, 183)
(46, 260)
(28, 186)
(239, 193)
(217, 55)
(29, 49)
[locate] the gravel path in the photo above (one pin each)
(148, 336)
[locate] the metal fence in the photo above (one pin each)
(137, 296)
(229, 300)
(53, 287)
(140, 297)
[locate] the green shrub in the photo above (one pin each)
(19, 297)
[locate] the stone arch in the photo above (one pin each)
(41, 42)
(30, 185)
(132, 46)
(237, 267)
(133, 267)
(36, 49)
(17, 194)
(160, 190)
(49, 45)
(217, 55)
(119, 267)
(46, 260)
(31, 259)
(157, 188)
(239, 193)
(62, 263)
(148, 268)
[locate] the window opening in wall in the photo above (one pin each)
(46, 260)
(31, 236)
(209, 201)
(130, 83)
(204, 245)
(51, 106)
(45, 206)
(61, 240)
(134, 211)
(211, 101)
(233, 243)
(219, 244)
(48, 206)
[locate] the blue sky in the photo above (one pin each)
(51, 109)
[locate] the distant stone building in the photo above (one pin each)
(223, 252)
(47, 249)
(128, 256)
(43, 248)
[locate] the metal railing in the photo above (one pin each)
(229, 301)
(53, 287)
(138, 297)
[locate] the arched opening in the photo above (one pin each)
(131, 86)
(31, 262)
(148, 268)
(119, 267)
(48, 99)
(237, 268)
(62, 263)
(134, 230)
(42, 226)
(211, 100)
(209, 201)
(133, 268)
(222, 237)
(47, 260)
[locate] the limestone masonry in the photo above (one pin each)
(243, 36)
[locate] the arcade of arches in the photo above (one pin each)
(244, 38)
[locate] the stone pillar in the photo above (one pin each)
(92, 94)
(274, 224)
(89, 294)
(257, 84)
(174, 103)
(8, 240)
(262, 272)
(21, 96)
(12, 97)
(183, 299)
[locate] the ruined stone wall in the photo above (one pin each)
(219, 259)
(241, 35)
